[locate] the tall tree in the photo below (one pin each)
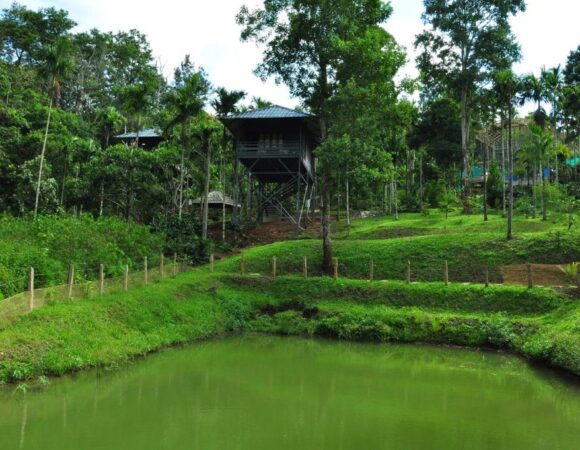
(186, 100)
(315, 48)
(507, 87)
(58, 61)
(466, 40)
(224, 104)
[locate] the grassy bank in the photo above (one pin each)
(434, 222)
(51, 243)
(106, 331)
(467, 255)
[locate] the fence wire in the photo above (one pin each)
(17, 305)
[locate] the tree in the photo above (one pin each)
(186, 100)
(507, 86)
(226, 103)
(534, 89)
(58, 62)
(539, 145)
(311, 45)
(466, 42)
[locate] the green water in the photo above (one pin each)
(258, 392)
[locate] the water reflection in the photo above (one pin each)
(259, 392)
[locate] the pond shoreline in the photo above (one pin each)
(112, 330)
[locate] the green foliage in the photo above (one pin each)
(572, 271)
(538, 323)
(51, 243)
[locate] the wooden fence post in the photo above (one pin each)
(30, 288)
(408, 272)
(161, 265)
(242, 265)
(371, 270)
(446, 273)
(126, 278)
(274, 266)
(101, 279)
(71, 281)
(335, 267)
(530, 276)
(211, 263)
(305, 267)
(175, 264)
(486, 275)
(145, 274)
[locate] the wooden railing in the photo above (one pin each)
(269, 147)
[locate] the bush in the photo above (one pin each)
(51, 243)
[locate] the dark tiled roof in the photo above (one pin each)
(148, 133)
(270, 112)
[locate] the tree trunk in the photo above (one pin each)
(206, 192)
(347, 202)
(42, 153)
(544, 197)
(421, 184)
(485, 157)
(534, 173)
(326, 238)
(511, 172)
(384, 205)
(465, 151)
(236, 211)
(503, 189)
(223, 177)
(181, 180)
(395, 199)
(327, 266)
(102, 202)
(182, 168)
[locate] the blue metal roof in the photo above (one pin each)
(148, 133)
(271, 112)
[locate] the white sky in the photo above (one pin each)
(547, 32)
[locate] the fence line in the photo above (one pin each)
(33, 298)
(528, 274)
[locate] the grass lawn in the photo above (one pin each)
(541, 324)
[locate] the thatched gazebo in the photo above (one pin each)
(216, 199)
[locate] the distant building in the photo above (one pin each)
(275, 146)
(148, 138)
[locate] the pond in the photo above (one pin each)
(263, 392)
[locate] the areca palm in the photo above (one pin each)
(225, 104)
(554, 84)
(186, 100)
(539, 148)
(534, 89)
(57, 62)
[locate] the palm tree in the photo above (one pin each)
(539, 147)
(58, 61)
(534, 89)
(507, 87)
(554, 84)
(225, 104)
(186, 99)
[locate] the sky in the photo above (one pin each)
(547, 32)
